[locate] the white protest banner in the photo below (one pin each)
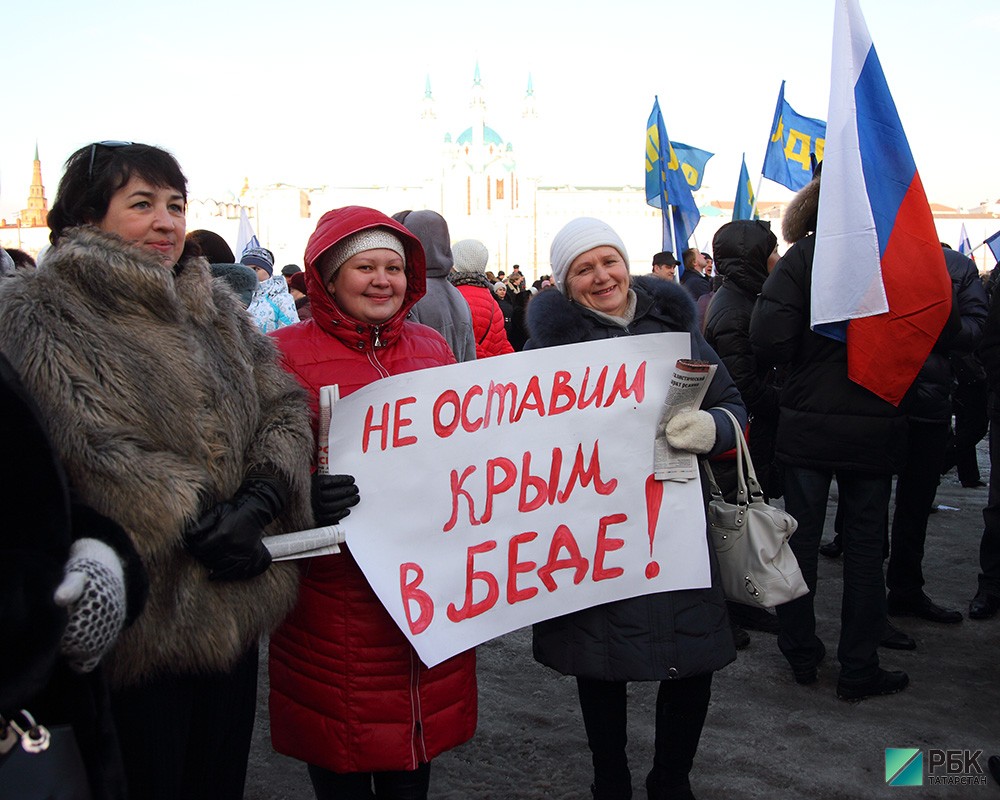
(501, 492)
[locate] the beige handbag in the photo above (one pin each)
(751, 539)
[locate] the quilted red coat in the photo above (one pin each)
(348, 692)
(487, 321)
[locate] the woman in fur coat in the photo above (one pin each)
(172, 418)
(677, 638)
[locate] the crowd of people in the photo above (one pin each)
(163, 397)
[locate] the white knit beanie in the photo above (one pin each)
(368, 239)
(470, 255)
(575, 239)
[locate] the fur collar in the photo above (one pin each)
(800, 216)
(553, 319)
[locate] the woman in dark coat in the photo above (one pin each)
(677, 638)
(745, 252)
(52, 638)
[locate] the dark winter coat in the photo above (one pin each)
(929, 399)
(40, 524)
(657, 636)
(160, 396)
(695, 283)
(348, 691)
(741, 250)
(827, 421)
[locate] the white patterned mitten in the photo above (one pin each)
(693, 431)
(93, 591)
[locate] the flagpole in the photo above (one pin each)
(753, 208)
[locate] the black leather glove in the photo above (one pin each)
(332, 497)
(227, 538)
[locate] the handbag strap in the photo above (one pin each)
(747, 487)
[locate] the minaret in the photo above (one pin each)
(428, 111)
(478, 106)
(37, 213)
(528, 110)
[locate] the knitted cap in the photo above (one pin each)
(369, 239)
(258, 257)
(470, 255)
(575, 239)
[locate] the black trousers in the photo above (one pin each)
(969, 401)
(395, 785)
(864, 498)
(916, 488)
(187, 737)
(681, 707)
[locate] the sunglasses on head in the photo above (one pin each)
(110, 144)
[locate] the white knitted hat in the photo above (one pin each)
(368, 239)
(576, 238)
(470, 255)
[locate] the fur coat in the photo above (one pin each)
(160, 396)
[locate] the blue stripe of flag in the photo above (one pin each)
(886, 159)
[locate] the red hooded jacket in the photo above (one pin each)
(348, 692)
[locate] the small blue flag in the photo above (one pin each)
(994, 244)
(743, 207)
(666, 185)
(692, 161)
(793, 144)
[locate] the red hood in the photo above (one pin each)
(332, 227)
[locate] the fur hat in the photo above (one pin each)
(575, 239)
(470, 255)
(298, 282)
(259, 257)
(368, 239)
(241, 278)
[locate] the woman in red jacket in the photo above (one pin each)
(349, 695)
(469, 276)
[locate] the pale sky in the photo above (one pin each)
(316, 93)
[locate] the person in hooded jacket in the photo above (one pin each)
(171, 417)
(745, 253)
(349, 695)
(442, 308)
(678, 638)
(470, 277)
(828, 426)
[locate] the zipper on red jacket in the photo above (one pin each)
(372, 358)
(417, 740)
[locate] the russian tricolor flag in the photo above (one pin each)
(879, 279)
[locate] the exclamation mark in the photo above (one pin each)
(654, 496)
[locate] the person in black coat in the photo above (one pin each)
(928, 411)
(745, 253)
(677, 638)
(828, 425)
(71, 581)
(986, 602)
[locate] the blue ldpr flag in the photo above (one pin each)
(666, 185)
(743, 207)
(793, 140)
(692, 161)
(993, 243)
